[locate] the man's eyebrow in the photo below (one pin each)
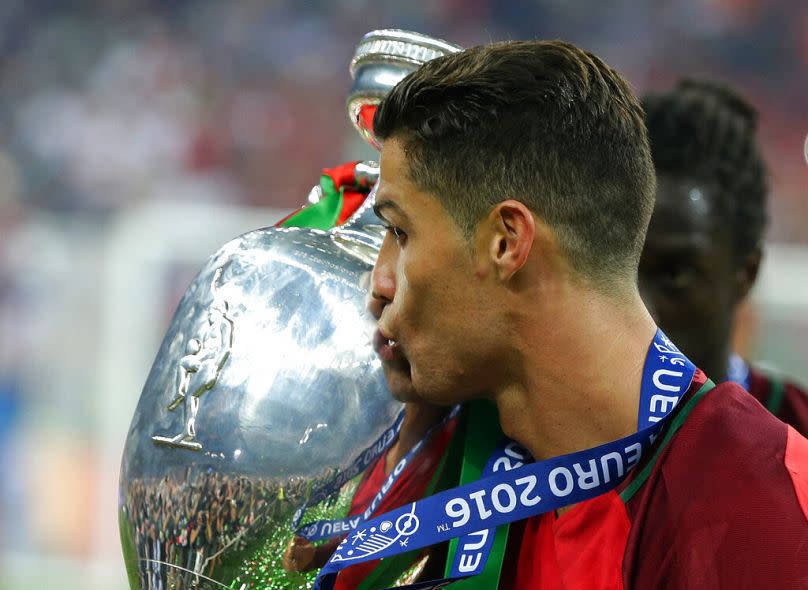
(381, 204)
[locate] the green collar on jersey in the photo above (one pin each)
(675, 424)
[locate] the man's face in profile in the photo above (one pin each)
(428, 293)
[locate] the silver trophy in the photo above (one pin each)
(381, 60)
(265, 392)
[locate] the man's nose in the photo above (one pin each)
(382, 284)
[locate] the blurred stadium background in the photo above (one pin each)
(138, 136)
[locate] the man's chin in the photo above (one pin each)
(399, 382)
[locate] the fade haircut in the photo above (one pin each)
(705, 130)
(541, 122)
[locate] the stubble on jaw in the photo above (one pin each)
(399, 382)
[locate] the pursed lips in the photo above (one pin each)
(387, 348)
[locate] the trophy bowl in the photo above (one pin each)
(265, 389)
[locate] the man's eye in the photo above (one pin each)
(397, 233)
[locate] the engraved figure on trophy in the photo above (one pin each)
(199, 370)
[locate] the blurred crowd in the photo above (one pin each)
(191, 530)
(110, 106)
(106, 103)
(196, 526)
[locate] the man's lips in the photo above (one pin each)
(387, 348)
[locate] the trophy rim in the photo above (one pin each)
(414, 49)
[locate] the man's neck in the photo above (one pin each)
(419, 417)
(579, 383)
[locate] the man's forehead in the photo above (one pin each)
(393, 182)
(392, 152)
(385, 201)
(389, 199)
(396, 191)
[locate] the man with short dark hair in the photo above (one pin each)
(705, 240)
(517, 185)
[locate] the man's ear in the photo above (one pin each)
(747, 272)
(511, 239)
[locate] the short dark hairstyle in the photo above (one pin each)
(706, 131)
(542, 122)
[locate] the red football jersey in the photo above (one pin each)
(720, 504)
(782, 398)
(410, 486)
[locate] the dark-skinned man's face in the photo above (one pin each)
(689, 277)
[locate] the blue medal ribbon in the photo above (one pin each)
(507, 495)
(474, 548)
(331, 488)
(326, 529)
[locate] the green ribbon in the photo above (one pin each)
(671, 428)
(482, 434)
(323, 214)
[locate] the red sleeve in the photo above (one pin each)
(796, 462)
(721, 509)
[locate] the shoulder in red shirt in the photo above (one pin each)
(720, 504)
(781, 397)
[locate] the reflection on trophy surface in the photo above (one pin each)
(381, 60)
(266, 395)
